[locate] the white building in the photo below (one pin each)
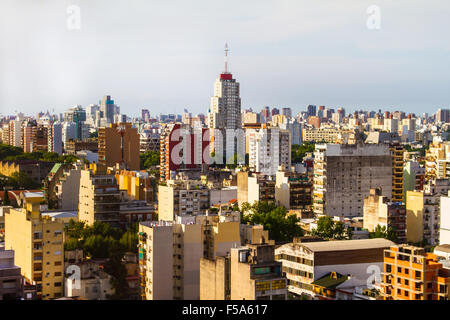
(269, 148)
(444, 232)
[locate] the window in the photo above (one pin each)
(58, 263)
(399, 269)
(57, 284)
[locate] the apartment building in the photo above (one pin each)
(306, 262)
(260, 188)
(170, 253)
(99, 197)
(412, 274)
(119, 143)
(293, 190)
(255, 275)
(138, 184)
(182, 198)
(38, 245)
(36, 170)
(378, 210)
(444, 232)
(423, 212)
(344, 175)
(397, 151)
(11, 281)
(437, 159)
(413, 177)
(268, 148)
(324, 134)
(72, 146)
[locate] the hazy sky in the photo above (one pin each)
(166, 55)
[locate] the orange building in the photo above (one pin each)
(412, 274)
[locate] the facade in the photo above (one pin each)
(255, 275)
(269, 148)
(36, 170)
(378, 210)
(11, 281)
(73, 146)
(76, 115)
(67, 189)
(260, 188)
(344, 175)
(182, 198)
(324, 134)
(119, 143)
(412, 274)
(444, 232)
(397, 151)
(423, 212)
(307, 262)
(138, 184)
(293, 190)
(38, 245)
(437, 161)
(99, 197)
(170, 253)
(413, 177)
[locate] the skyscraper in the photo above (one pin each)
(225, 110)
(107, 110)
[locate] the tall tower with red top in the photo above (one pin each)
(225, 108)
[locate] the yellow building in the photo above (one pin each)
(137, 183)
(397, 172)
(38, 245)
(422, 217)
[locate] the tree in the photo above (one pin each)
(24, 181)
(282, 227)
(299, 151)
(149, 159)
(6, 201)
(383, 232)
(327, 228)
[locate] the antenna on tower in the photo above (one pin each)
(226, 57)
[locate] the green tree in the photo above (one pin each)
(327, 228)
(23, 181)
(149, 159)
(299, 151)
(282, 227)
(383, 232)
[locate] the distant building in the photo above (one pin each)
(444, 232)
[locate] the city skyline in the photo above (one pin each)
(284, 55)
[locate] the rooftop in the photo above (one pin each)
(343, 245)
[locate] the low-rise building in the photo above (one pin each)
(307, 262)
(11, 281)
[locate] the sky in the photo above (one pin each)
(165, 55)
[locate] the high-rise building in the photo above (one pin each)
(413, 177)
(443, 115)
(311, 110)
(170, 253)
(293, 190)
(38, 245)
(444, 232)
(119, 143)
(76, 115)
(437, 159)
(410, 273)
(107, 111)
(344, 175)
(268, 148)
(397, 151)
(423, 213)
(225, 109)
(100, 197)
(15, 133)
(54, 135)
